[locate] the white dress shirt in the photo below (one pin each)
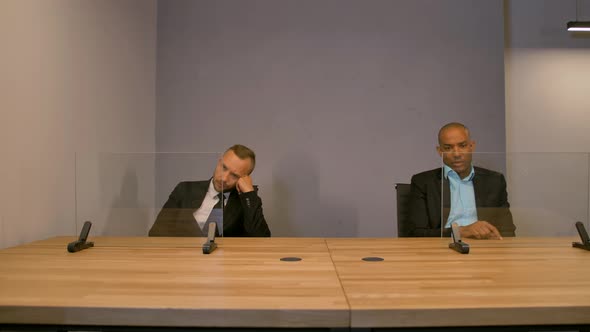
(202, 213)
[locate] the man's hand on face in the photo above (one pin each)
(480, 230)
(244, 184)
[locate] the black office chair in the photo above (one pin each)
(403, 210)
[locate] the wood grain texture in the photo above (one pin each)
(169, 282)
(253, 243)
(421, 282)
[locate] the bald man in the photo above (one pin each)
(473, 197)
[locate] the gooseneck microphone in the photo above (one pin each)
(585, 244)
(457, 244)
(210, 245)
(81, 243)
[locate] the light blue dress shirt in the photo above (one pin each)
(463, 209)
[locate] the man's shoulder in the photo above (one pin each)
(192, 185)
(427, 175)
(480, 171)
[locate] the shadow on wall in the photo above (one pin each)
(301, 208)
(126, 216)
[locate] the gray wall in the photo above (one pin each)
(547, 70)
(547, 103)
(340, 99)
(75, 76)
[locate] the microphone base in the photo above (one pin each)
(78, 246)
(209, 247)
(581, 245)
(460, 247)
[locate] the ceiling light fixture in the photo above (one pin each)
(578, 25)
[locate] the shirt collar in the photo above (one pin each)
(211, 192)
(448, 170)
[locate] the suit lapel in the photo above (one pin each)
(193, 197)
(231, 210)
(446, 196)
(479, 190)
(197, 194)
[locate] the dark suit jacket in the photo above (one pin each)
(242, 215)
(491, 201)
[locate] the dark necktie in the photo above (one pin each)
(219, 204)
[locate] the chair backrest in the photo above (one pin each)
(403, 210)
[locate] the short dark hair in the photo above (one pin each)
(244, 152)
(453, 125)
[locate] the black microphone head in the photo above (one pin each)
(85, 231)
(582, 231)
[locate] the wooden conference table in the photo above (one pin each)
(168, 282)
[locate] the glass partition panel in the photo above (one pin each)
(518, 194)
(148, 194)
(548, 192)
